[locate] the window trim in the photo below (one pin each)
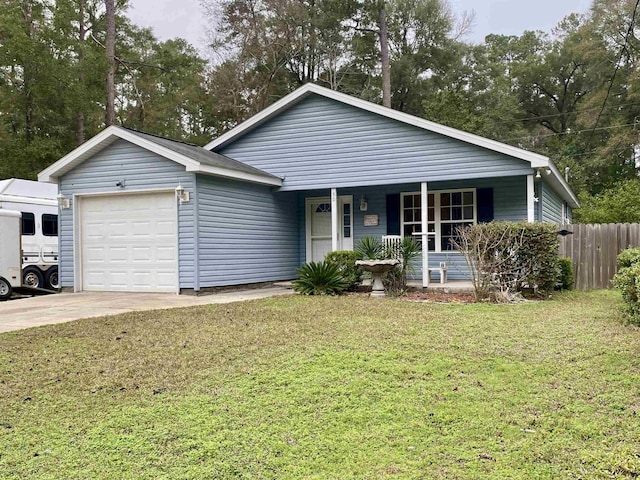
(436, 217)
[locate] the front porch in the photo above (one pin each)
(338, 218)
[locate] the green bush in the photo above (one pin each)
(628, 257)
(565, 273)
(345, 260)
(504, 258)
(319, 278)
(628, 281)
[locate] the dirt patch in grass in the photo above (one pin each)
(419, 296)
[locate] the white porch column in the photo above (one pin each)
(425, 243)
(531, 195)
(334, 220)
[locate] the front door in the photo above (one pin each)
(318, 221)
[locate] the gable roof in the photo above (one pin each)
(556, 180)
(193, 158)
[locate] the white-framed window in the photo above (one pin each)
(447, 210)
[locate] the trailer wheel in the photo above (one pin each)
(5, 289)
(51, 278)
(32, 278)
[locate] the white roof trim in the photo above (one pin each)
(536, 160)
(110, 134)
(237, 175)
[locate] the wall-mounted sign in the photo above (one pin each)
(371, 220)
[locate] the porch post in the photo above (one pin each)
(531, 195)
(424, 228)
(334, 220)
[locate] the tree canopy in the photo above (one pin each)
(572, 93)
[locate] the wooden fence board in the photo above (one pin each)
(593, 250)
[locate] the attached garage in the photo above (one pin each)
(141, 213)
(128, 242)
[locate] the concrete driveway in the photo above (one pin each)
(64, 307)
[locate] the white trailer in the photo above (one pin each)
(38, 206)
(10, 276)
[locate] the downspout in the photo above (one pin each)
(531, 194)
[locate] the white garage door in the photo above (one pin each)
(129, 243)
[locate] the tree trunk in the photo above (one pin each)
(110, 47)
(384, 57)
(82, 32)
(28, 73)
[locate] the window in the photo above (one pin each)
(456, 210)
(346, 220)
(50, 225)
(323, 208)
(446, 211)
(28, 223)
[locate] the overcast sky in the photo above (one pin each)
(185, 18)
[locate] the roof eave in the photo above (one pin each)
(237, 175)
(112, 133)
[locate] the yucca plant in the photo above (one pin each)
(320, 278)
(370, 248)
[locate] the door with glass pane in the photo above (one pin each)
(318, 226)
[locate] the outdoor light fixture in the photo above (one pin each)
(181, 194)
(122, 183)
(363, 204)
(539, 171)
(63, 202)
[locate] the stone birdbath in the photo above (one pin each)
(377, 268)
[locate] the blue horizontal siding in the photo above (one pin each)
(142, 170)
(321, 143)
(246, 233)
(551, 206)
(509, 204)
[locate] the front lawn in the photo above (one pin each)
(344, 387)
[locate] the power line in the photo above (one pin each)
(615, 72)
(573, 132)
(575, 112)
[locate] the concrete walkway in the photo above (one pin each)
(64, 307)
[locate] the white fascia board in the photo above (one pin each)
(104, 138)
(236, 175)
(263, 115)
(564, 189)
(535, 159)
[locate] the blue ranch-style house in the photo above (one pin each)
(314, 172)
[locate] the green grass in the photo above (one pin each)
(343, 387)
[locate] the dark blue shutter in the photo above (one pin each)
(484, 196)
(393, 214)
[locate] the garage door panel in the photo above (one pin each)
(129, 243)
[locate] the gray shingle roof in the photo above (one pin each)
(201, 154)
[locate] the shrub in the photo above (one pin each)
(628, 257)
(345, 260)
(628, 281)
(504, 258)
(565, 273)
(370, 248)
(319, 278)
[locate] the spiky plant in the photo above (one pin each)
(370, 248)
(320, 278)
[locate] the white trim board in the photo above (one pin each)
(113, 133)
(536, 160)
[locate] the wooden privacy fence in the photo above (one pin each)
(593, 250)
